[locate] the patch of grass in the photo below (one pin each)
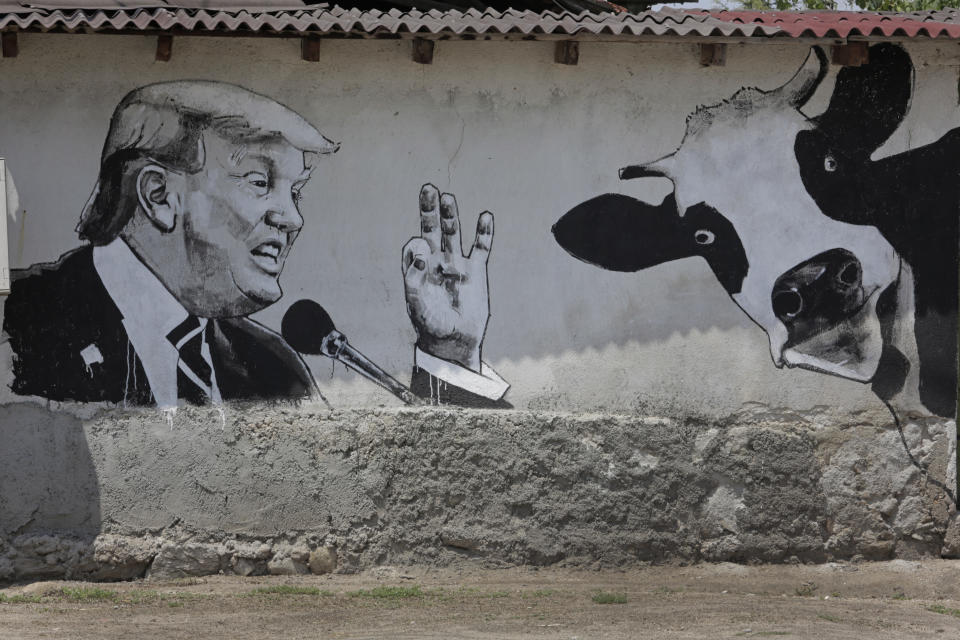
(18, 598)
(828, 617)
(68, 594)
(609, 597)
(939, 608)
(806, 590)
(388, 593)
(149, 596)
(477, 592)
(288, 590)
(835, 594)
(899, 595)
(87, 594)
(540, 593)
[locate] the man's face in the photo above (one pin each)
(240, 216)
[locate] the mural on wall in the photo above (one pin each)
(849, 264)
(195, 211)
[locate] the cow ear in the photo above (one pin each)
(870, 101)
(621, 233)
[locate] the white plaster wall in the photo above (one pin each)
(505, 129)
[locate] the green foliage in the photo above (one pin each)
(787, 5)
(904, 5)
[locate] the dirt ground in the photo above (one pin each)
(891, 600)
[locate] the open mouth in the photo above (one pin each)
(267, 255)
(849, 348)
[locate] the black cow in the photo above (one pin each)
(849, 264)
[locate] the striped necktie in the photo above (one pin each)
(194, 370)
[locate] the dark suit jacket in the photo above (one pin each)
(56, 310)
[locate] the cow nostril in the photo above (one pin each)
(787, 304)
(850, 274)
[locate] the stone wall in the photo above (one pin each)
(288, 489)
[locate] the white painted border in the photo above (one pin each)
(4, 254)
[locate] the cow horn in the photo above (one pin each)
(805, 81)
(657, 169)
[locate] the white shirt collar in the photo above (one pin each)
(149, 313)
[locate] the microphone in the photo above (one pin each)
(307, 327)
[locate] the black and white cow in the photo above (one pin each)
(848, 263)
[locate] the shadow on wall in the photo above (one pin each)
(49, 494)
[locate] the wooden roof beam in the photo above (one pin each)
(9, 44)
(164, 48)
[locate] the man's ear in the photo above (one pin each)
(159, 192)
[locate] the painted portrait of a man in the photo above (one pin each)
(196, 209)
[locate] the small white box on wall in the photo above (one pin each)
(4, 254)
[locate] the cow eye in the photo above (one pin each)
(830, 163)
(704, 236)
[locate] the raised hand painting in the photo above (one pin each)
(196, 209)
(449, 304)
(849, 264)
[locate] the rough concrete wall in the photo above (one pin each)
(260, 489)
(651, 424)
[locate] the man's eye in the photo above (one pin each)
(296, 195)
(257, 180)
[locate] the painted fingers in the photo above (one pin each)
(484, 239)
(430, 229)
(416, 257)
(440, 226)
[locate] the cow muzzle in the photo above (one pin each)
(830, 319)
(818, 293)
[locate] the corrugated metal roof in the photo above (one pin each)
(843, 24)
(113, 5)
(290, 18)
(325, 20)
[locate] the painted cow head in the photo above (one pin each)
(777, 204)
